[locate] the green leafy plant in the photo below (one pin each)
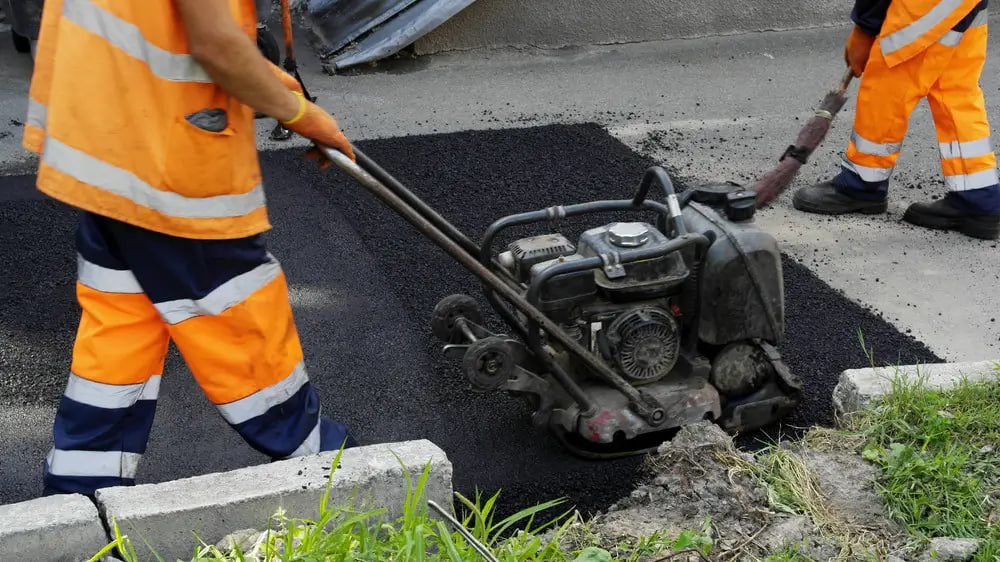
(939, 458)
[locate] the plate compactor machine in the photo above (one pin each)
(626, 334)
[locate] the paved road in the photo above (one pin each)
(726, 106)
(363, 284)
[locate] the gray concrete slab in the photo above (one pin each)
(561, 23)
(56, 529)
(859, 388)
(165, 518)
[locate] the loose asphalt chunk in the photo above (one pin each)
(363, 286)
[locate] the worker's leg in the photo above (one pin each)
(967, 158)
(886, 98)
(225, 303)
(104, 418)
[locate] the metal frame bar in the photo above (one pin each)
(644, 404)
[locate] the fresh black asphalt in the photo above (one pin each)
(364, 284)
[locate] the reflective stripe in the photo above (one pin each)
(93, 463)
(978, 180)
(951, 39)
(111, 396)
(311, 445)
(868, 174)
(970, 149)
(106, 280)
(129, 38)
(954, 38)
(916, 30)
(37, 114)
(258, 403)
(981, 19)
(230, 293)
(868, 147)
(92, 171)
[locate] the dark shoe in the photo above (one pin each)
(942, 215)
(825, 199)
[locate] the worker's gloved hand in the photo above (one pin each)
(858, 49)
(287, 79)
(317, 125)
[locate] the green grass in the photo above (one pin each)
(939, 454)
(348, 533)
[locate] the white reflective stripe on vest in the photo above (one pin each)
(954, 38)
(258, 403)
(176, 67)
(951, 39)
(111, 396)
(874, 149)
(114, 464)
(868, 174)
(981, 19)
(37, 114)
(104, 279)
(92, 171)
(970, 149)
(978, 180)
(311, 445)
(227, 295)
(916, 30)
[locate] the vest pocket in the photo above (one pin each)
(200, 159)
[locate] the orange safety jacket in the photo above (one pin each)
(911, 26)
(129, 126)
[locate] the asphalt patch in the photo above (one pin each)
(364, 283)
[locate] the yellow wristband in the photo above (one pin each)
(302, 110)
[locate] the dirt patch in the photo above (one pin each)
(848, 483)
(818, 505)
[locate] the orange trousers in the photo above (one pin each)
(225, 305)
(946, 74)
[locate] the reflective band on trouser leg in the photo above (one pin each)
(100, 435)
(105, 415)
(963, 130)
(241, 343)
(886, 97)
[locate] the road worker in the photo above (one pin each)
(142, 112)
(904, 51)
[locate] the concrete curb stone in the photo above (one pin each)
(64, 528)
(858, 388)
(168, 515)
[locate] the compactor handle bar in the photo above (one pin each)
(642, 403)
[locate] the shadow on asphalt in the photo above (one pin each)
(363, 286)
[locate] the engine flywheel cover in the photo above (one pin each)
(647, 342)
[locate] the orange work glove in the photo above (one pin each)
(319, 126)
(858, 49)
(287, 79)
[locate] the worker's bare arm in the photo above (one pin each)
(233, 60)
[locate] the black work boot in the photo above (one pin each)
(825, 199)
(943, 215)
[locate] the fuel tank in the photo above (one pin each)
(742, 288)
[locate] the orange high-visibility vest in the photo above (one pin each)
(913, 25)
(114, 100)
